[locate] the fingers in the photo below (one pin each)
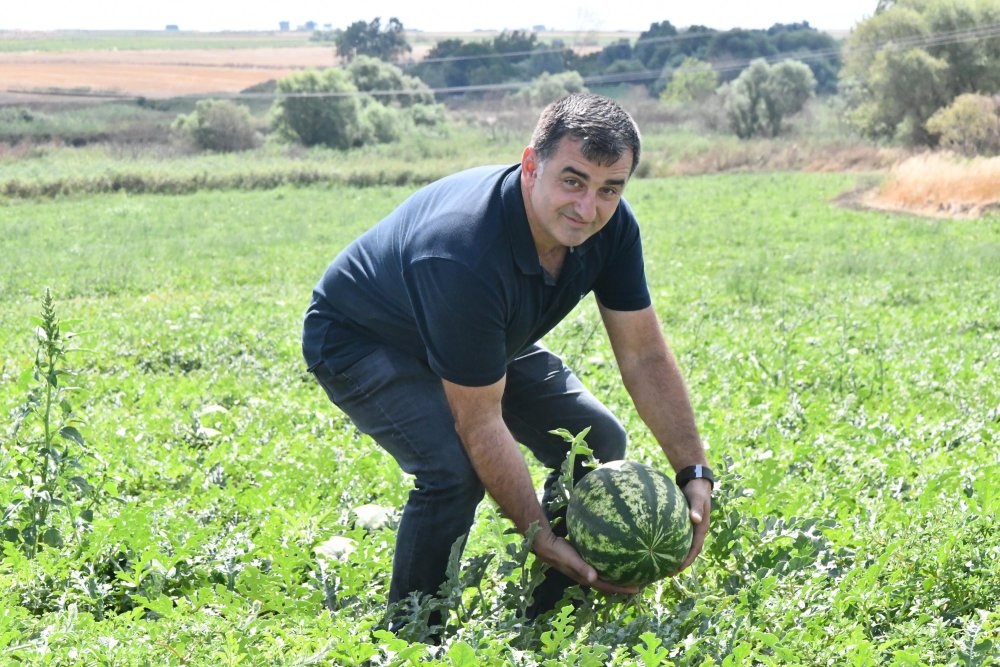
(614, 589)
(699, 496)
(561, 555)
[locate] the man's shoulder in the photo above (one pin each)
(459, 216)
(485, 179)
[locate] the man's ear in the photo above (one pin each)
(529, 161)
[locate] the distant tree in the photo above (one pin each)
(763, 95)
(800, 41)
(371, 39)
(550, 58)
(899, 70)
(656, 45)
(694, 81)
(738, 47)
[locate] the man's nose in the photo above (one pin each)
(586, 205)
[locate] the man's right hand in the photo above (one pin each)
(561, 555)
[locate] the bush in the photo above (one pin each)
(694, 81)
(551, 87)
(428, 115)
(371, 75)
(970, 125)
(218, 125)
(319, 108)
(380, 124)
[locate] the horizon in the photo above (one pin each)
(431, 16)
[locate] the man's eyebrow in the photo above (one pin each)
(583, 176)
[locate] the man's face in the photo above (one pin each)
(568, 198)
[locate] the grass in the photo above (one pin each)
(840, 363)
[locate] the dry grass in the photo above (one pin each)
(940, 185)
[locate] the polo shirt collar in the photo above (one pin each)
(518, 229)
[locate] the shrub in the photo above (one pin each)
(970, 125)
(551, 87)
(428, 115)
(694, 81)
(218, 125)
(319, 108)
(371, 75)
(380, 124)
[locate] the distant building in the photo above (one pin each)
(284, 25)
(308, 25)
(172, 28)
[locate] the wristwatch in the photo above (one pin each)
(685, 475)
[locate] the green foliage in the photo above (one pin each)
(764, 95)
(371, 75)
(379, 123)
(368, 102)
(371, 39)
(694, 81)
(122, 122)
(218, 125)
(915, 57)
(509, 56)
(839, 361)
(549, 88)
(319, 107)
(46, 496)
(969, 125)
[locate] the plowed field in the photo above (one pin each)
(151, 73)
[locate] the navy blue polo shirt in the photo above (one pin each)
(452, 277)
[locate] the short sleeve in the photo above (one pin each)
(621, 285)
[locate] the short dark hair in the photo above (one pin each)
(605, 129)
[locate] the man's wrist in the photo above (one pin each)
(685, 475)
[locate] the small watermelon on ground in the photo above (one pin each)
(630, 522)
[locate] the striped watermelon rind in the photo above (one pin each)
(630, 522)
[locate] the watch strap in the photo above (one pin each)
(685, 475)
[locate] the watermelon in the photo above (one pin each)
(630, 522)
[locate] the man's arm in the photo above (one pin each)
(653, 380)
(501, 468)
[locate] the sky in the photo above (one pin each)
(429, 15)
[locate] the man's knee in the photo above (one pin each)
(456, 482)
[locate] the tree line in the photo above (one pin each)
(918, 72)
(520, 56)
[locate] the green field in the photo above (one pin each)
(106, 40)
(844, 368)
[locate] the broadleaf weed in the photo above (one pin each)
(50, 498)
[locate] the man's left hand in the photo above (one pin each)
(699, 496)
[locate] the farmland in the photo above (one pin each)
(842, 366)
(205, 504)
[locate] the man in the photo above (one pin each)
(425, 331)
